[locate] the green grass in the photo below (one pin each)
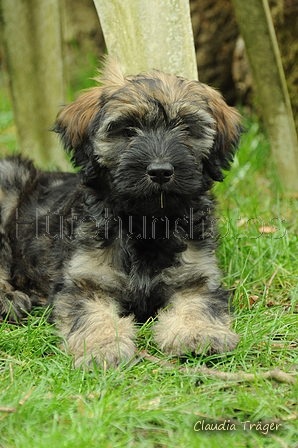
(149, 404)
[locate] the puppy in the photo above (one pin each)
(131, 235)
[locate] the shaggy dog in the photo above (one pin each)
(131, 235)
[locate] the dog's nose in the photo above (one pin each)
(160, 172)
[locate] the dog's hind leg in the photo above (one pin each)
(14, 174)
(13, 304)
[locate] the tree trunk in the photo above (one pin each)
(32, 37)
(215, 33)
(255, 22)
(149, 34)
(285, 19)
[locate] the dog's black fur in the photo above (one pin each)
(114, 244)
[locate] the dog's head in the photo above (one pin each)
(155, 140)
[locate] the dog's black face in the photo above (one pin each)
(152, 142)
(157, 168)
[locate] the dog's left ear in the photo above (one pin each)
(228, 130)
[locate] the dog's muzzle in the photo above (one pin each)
(160, 172)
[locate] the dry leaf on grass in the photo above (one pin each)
(267, 229)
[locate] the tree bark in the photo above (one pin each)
(215, 33)
(34, 59)
(149, 34)
(285, 18)
(255, 22)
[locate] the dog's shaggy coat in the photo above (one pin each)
(132, 235)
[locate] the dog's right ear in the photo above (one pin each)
(75, 125)
(77, 122)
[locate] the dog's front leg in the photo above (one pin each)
(93, 327)
(193, 322)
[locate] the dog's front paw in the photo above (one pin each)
(112, 355)
(14, 304)
(179, 334)
(98, 335)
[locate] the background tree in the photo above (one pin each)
(146, 35)
(255, 22)
(34, 60)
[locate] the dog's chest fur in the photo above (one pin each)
(137, 272)
(141, 274)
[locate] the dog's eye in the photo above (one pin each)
(128, 132)
(117, 129)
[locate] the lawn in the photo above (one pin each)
(157, 401)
